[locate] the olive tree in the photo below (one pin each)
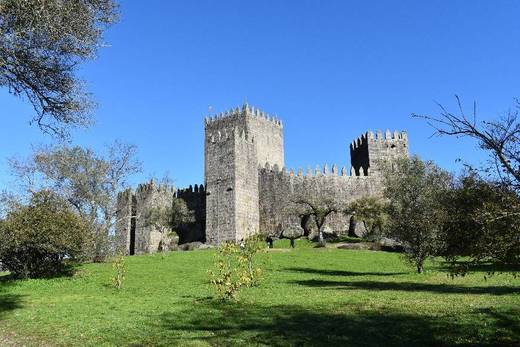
(485, 204)
(371, 211)
(87, 180)
(41, 45)
(484, 226)
(167, 219)
(416, 212)
(316, 208)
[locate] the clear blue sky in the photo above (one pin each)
(329, 69)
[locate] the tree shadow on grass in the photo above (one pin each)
(409, 287)
(67, 270)
(341, 272)
(242, 324)
(9, 302)
(485, 268)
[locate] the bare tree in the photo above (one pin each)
(501, 138)
(41, 45)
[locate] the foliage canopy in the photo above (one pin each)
(41, 44)
(39, 238)
(416, 212)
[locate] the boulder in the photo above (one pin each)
(293, 231)
(356, 228)
(389, 245)
(190, 246)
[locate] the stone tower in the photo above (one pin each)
(237, 142)
(134, 235)
(369, 152)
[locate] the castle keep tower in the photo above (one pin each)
(370, 152)
(237, 142)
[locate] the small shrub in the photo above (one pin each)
(226, 279)
(251, 272)
(42, 238)
(120, 271)
(237, 266)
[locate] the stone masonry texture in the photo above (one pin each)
(247, 188)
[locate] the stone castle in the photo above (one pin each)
(247, 186)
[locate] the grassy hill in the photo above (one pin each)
(308, 297)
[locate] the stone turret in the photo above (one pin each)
(370, 151)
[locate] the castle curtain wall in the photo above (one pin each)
(279, 190)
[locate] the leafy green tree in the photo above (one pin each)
(371, 212)
(318, 210)
(42, 237)
(167, 219)
(416, 213)
(41, 45)
(87, 180)
(484, 224)
(485, 205)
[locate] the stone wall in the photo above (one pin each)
(219, 175)
(279, 189)
(147, 196)
(125, 233)
(135, 236)
(195, 198)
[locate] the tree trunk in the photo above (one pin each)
(292, 243)
(321, 240)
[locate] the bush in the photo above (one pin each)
(118, 264)
(42, 238)
(371, 212)
(236, 266)
(226, 278)
(250, 269)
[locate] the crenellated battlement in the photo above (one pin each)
(152, 186)
(370, 151)
(197, 189)
(379, 136)
(231, 116)
(318, 171)
(125, 195)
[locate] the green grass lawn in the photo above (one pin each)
(308, 297)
